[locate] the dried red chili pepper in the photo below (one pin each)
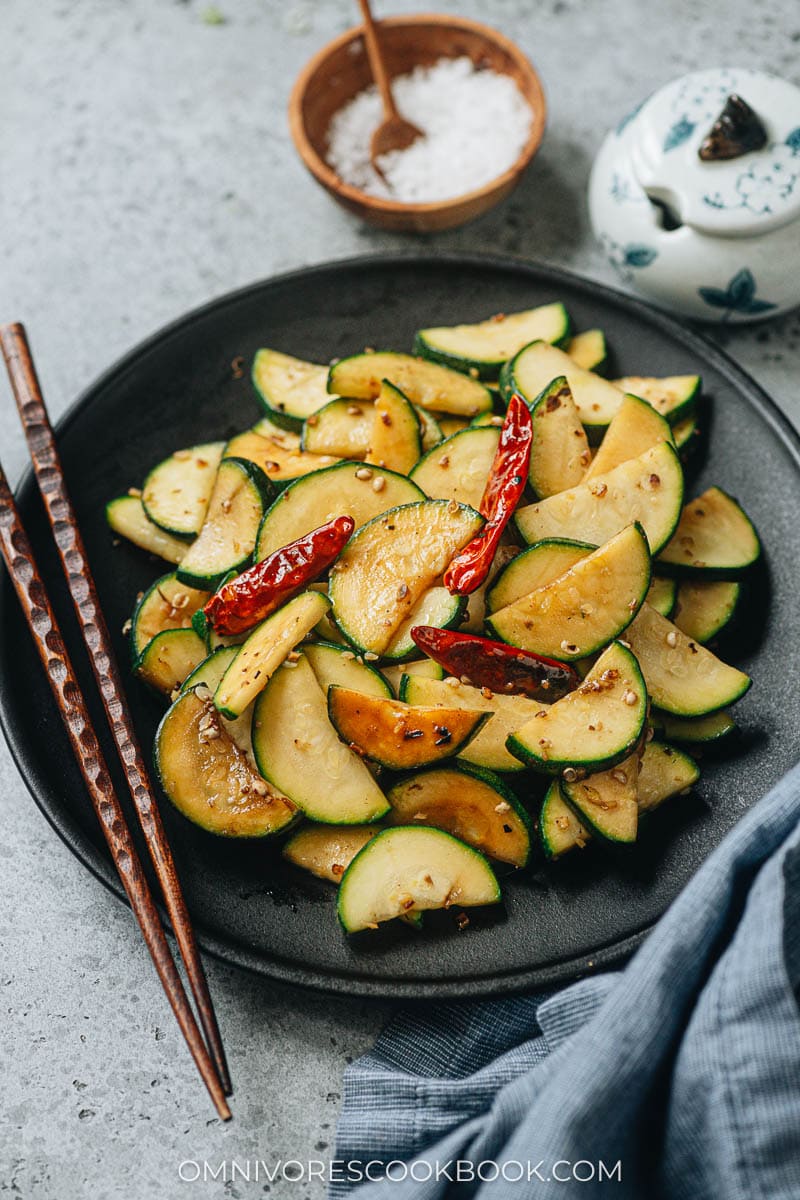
(494, 665)
(505, 485)
(259, 591)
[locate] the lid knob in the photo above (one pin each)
(737, 130)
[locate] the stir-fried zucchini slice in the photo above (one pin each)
(341, 427)
(327, 850)
(714, 539)
(126, 517)
(390, 562)
(209, 778)
(412, 869)
(337, 665)
(560, 453)
(647, 489)
(664, 771)
(593, 728)
(167, 604)
(169, 658)
(289, 388)
(298, 750)
(674, 396)
(427, 384)
(560, 829)
(471, 803)
(686, 435)
(347, 489)
(692, 731)
(458, 468)
(703, 609)
(176, 493)
(530, 371)
(606, 801)
(395, 439)
(424, 667)
(589, 605)
(588, 349)
(535, 567)
(481, 350)
(211, 669)
(430, 428)
(662, 595)
(508, 713)
(277, 453)
(682, 677)
(451, 425)
(264, 651)
(229, 532)
(475, 616)
(634, 429)
(435, 607)
(397, 735)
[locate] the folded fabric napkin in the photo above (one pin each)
(678, 1076)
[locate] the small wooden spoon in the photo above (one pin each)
(394, 132)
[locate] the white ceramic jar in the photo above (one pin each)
(715, 240)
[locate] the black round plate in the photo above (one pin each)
(186, 385)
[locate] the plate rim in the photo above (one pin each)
(232, 952)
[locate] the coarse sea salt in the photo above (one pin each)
(475, 124)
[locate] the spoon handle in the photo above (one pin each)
(376, 60)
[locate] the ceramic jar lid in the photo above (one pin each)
(744, 196)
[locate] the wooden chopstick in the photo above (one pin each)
(27, 582)
(50, 478)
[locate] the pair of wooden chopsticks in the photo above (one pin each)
(16, 550)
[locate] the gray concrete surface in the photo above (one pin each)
(145, 165)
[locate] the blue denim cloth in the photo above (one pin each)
(684, 1067)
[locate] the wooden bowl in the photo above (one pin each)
(340, 70)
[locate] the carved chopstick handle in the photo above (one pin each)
(69, 542)
(18, 556)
